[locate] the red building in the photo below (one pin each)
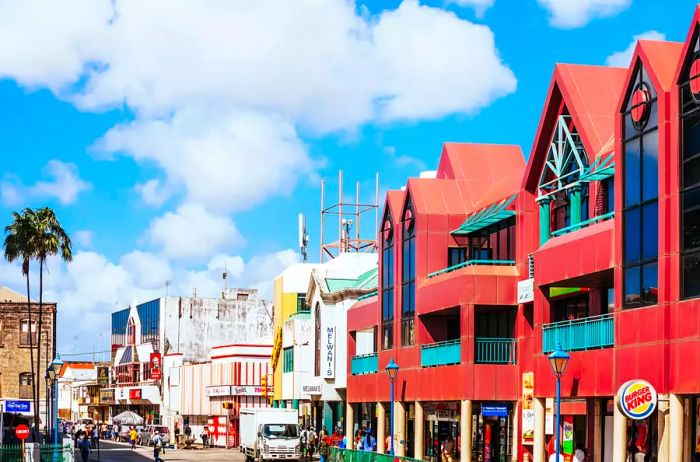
(593, 245)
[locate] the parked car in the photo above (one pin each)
(147, 433)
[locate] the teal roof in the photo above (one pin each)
(486, 216)
(366, 280)
(602, 169)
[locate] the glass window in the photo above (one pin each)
(24, 337)
(632, 285)
(691, 219)
(301, 303)
(632, 243)
(650, 231)
(456, 255)
(650, 284)
(650, 162)
(408, 275)
(288, 359)
(691, 274)
(387, 289)
(632, 173)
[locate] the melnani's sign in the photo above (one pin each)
(637, 399)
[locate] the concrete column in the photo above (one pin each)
(400, 428)
(664, 429)
(675, 447)
(381, 428)
(465, 431)
(538, 446)
(597, 431)
(418, 432)
(516, 434)
(688, 443)
(349, 423)
(575, 201)
(619, 434)
(544, 219)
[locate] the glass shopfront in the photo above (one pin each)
(492, 432)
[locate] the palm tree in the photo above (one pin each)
(49, 239)
(19, 245)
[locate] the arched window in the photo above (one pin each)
(690, 172)
(387, 340)
(131, 332)
(317, 339)
(25, 326)
(640, 157)
(408, 277)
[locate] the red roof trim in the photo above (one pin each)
(248, 345)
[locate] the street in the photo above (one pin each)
(121, 452)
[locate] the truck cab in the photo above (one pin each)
(269, 434)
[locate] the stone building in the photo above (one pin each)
(15, 367)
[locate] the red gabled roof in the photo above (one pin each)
(591, 94)
(687, 44)
(474, 161)
(661, 59)
(394, 200)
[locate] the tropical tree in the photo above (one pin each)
(49, 239)
(20, 245)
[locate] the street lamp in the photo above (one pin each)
(52, 373)
(558, 359)
(392, 370)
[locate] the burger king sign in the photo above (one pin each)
(637, 399)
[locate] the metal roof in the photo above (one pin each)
(486, 216)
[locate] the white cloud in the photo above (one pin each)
(480, 6)
(149, 270)
(82, 238)
(153, 192)
(64, 185)
(623, 58)
(569, 14)
(404, 160)
(193, 233)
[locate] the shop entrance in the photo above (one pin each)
(441, 425)
(492, 425)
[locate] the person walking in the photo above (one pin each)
(132, 437)
(324, 449)
(115, 432)
(157, 441)
(205, 437)
(311, 443)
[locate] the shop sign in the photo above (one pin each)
(250, 390)
(219, 390)
(528, 411)
(549, 416)
(494, 410)
(103, 376)
(135, 393)
(329, 351)
(107, 396)
(567, 443)
(156, 366)
(311, 389)
(17, 406)
(526, 291)
(637, 399)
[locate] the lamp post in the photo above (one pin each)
(392, 370)
(558, 359)
(52, 373)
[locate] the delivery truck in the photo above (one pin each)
(269, 434)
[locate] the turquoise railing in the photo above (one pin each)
(494, 350)
(579, 334)
(364, 364)
(471, 263)
(583, 224)
(369, 295)
(349, 455)
(440, 353)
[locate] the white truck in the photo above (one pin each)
(270, 434)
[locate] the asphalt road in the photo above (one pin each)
(121, 452)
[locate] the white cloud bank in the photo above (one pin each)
(569, 14)
(63, 184)
(623, 58)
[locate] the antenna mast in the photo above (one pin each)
(303, 238)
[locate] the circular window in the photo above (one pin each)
(695, 79)
(408, 220)
(641, 105)
(388, 230)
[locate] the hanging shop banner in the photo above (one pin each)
(103, 376)
(637, 399)
(549, 416)
(494, 410)
(567, 444)
(329, 351)
(526, 291)
(155, 366)
(528, 411)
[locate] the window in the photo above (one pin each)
(492, 322)
(690, 174)
(497, 242)
(571, 308)
(317, 339)
(24, 336)
(288, 359)
(387, 338)
(408, 277)
(26, 390)
(131, 332)
(301, 303)
(605, 198)
(456, 255)
(641, 190)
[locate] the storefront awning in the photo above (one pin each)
(602, 169)
(486, 216)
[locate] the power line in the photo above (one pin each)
(84, 354)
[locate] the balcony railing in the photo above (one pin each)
(579, 334)
(583, 224)
(364, 364)
(26, 392)
(494, 350)
(449, 269)
(441, 353)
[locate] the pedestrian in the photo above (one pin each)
(188, 431)
(580, 453)
(205, 437)
(324, 448)
(343, 444)
(132, 437)
(303, 441)
(448, 447)
(311, 443)
(115, 432)
(157, 441)
(368, 443)
(94, 437)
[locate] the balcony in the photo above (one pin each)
(471, 263)
(364, 364)
(579, 334)
(494, 350)
(440, 353)
(583, 224)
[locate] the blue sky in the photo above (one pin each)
(172, 149)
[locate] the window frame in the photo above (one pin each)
(408, 276)
(649, 125)
(32, 331)
(386, 340)
(288, 359)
